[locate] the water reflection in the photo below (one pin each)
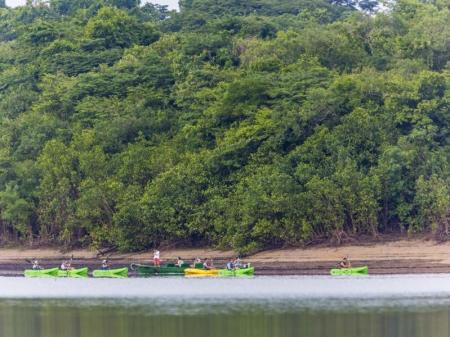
(50, 318)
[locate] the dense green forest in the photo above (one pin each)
(237, 124)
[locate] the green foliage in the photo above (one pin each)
(129, 4)
(432, 200)
(57, 192)
(16, 213)
(116, 28)
(67, 7)
(238, 124)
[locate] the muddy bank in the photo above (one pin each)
(397, 257)
(270, 268)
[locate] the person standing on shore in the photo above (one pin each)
(156, 258)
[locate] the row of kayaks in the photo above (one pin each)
(146, 270)
(186, 269)
(171, 269)
(80, 272)
(142, 270)
(250, 271)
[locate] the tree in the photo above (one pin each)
(67, 7)
(58, 190)
(433, 203)
(154, 12)
(129, 4)
(238, 124)
(115, 27)
(365, 5)
(15, 212)
(368, 5)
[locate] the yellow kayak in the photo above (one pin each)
(201, 272)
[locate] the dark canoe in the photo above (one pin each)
(167, 269)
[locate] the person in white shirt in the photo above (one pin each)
(237, 263)
(197, 262)
(105, 265)
(180, 262)
(207, 264)
(66, 265)
(156, 258)
(36, 265)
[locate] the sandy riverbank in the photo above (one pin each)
(403, 256)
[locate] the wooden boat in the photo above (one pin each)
(111, 273)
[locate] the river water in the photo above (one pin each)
(312, 306)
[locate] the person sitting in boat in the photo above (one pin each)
(156, 258)
(180, 262)
(105, 265)
(230, 265)
(66, 265)
(208, 264)
(36, 265)
(345, 263)
(196, 262)
(238, 263)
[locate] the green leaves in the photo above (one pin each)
(116, 28)
(16, 213)
(238, 124)
(57, 192)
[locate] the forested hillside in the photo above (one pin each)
(238, 124)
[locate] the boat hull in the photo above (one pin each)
(201, 272)
(52, 272)
(111, 273)
(350, 271)
(80, 272)
(237, 272)
(147, 270)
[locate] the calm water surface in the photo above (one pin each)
(378, 306)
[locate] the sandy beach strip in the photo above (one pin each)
(402, 256)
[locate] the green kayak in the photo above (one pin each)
(350, 271)
(111, 273)
(53, 272)
(167, 269)
(81, 272)
(237, 272)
